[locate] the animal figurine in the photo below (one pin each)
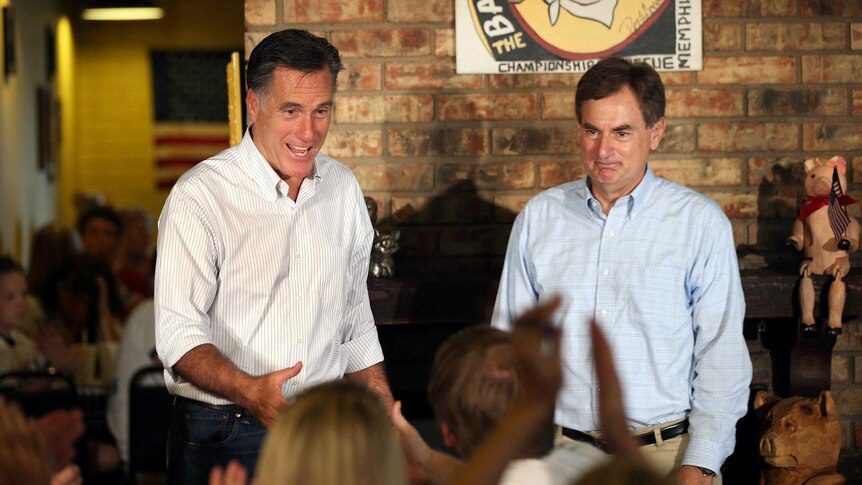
(801, 439)
(385, 245)
(826, 235)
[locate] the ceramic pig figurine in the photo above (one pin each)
(814, 236)
(801, 439)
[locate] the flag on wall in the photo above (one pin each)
(190, 98)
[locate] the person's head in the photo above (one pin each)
(291, 77)
(51, 246)
(72, 294)
(474, 380)
(100, 229)
(334, 433)
(137, 233)
(620, 109)
(13, 295)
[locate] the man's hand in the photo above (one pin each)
(414, 447)
(691, 475)
(233, 474)
(263, 397)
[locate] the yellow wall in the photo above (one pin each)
(113, 126)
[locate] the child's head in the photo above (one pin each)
(13, 294)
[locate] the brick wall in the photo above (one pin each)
(452, 158)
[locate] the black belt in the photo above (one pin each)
(667, 433)
(229, 408)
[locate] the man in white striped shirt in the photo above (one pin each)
(262, 264)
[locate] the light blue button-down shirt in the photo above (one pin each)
(659, 274)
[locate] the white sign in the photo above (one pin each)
(541, 36)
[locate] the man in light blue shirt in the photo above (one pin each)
(654, 263)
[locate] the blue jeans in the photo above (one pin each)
(203, 436)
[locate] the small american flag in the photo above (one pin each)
(838, 218)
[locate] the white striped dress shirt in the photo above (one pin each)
(269, 281)
(659, 274)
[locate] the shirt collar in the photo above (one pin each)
(636, 199)
(262, 173)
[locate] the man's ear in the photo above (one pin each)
(449, 438)
(252, 104)
(656, 132)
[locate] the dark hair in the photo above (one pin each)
(79, 274)
(9, 265)
(100, 212)
(292, 49)
(474, 381)
(611, 75)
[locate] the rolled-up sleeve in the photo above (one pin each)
(186, 278)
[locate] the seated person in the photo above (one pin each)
(134, 265)
(17, 351)
(51, 246)
(137, 351)
(475, 379)
(100, 229)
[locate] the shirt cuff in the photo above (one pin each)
(703, 453)
(363, 351)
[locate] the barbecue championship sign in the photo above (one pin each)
(542, 36)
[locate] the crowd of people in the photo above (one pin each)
(615, 353)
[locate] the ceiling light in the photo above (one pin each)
(122, 10)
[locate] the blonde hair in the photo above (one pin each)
(334, 433)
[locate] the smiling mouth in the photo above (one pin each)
(299, 151)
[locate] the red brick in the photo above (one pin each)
(736, 205)
(444, 42)
(382, 42)
(797, 102)
(517, 81)
(857, 434)
(415, 142)
(354, 143)
(761, 366)
(476, 240)
(251, 39)
(333, 11)
(840, 369)
(558, 106)
(424, 11)
(722, 37)
(383, 206)
(529, 141)
(748, 70)
(831, 8)
(553, 173)
(678, 139)
(802, 37)
(489, 176)
(508, 106)
(745, 137)
(775, 171)
(851, 339)
(772, 8)
(857, 374)
(771, 234)
(831, 137)
(856, 170)
(360, 76)
(856, 38)
(857, 102)
(681, 78)
(384, 109)
(693, 103)
(259, 13)
(831, 68)
(450, 207)
(700, 172)
(507, 207)
(419, 241)
(428, 75)
(393, 177)
(848, 400)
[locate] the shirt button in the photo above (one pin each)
(296, 256)
(606, 272)
(612, 234)
(294, 382)
(604, 312)
(299, 340)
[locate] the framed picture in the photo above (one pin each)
(48, 119)
(8, 42)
